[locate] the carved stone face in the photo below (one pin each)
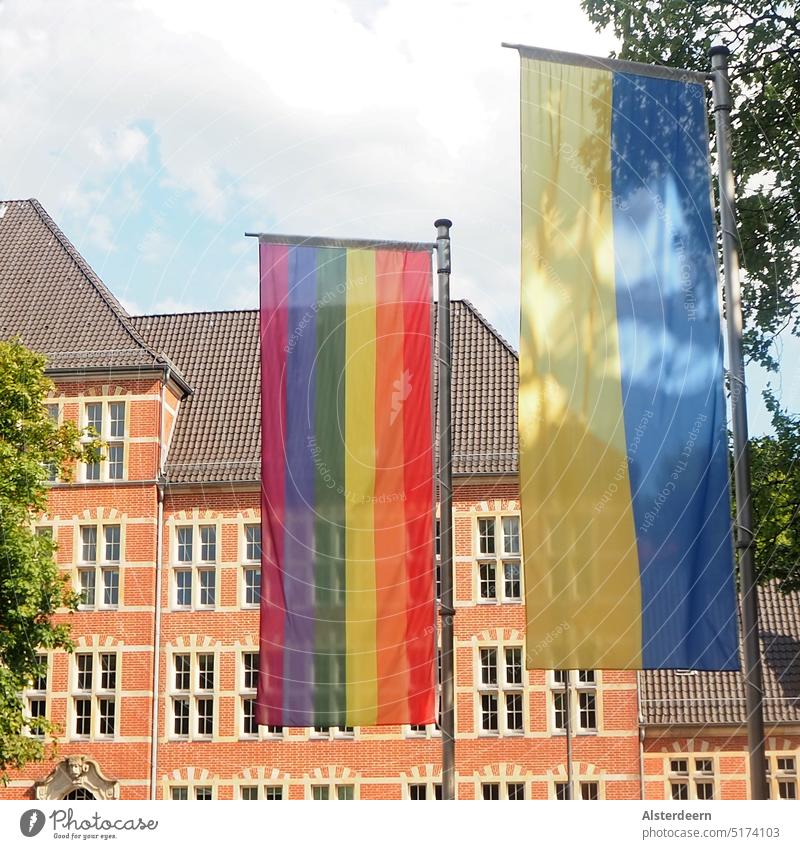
(76, 767)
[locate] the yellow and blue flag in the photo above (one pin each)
(623, 441)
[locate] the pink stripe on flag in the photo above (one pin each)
(273, 326)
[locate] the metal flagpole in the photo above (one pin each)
(446, 610)
(568, 729)
(754, 695)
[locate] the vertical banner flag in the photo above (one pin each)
(347, 604)
(626, 503)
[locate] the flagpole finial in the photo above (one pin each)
(443, 222)
(719, 50)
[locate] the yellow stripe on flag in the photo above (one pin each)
(572, 435)
(362, 684)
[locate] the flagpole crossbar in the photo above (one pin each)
(623, 66)
(323, 242)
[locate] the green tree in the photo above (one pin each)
(31, 588)
(764, 37)
(775, 464)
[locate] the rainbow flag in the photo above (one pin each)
(626, 503)
(347, 609)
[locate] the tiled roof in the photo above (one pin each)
(713, 698)
(217, 436)
(51, 298)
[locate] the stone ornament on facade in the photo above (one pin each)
(77, 773)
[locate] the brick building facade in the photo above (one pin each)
(162, 540)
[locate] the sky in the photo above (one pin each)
(158, 132)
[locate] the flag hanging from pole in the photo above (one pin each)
(623, 443)
(347, 608)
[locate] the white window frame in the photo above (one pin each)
(501, 689)
(37, 694)
(194, 695)
(333, 790)
(498, 559)
(333, 732)
(503, 785)
(104, 475)
(430, 786)
(196, 565)
(100, 566)
(557, 689)
(250, 564)
(95, 694)
(686, 770)
(783, 774)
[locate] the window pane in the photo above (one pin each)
(253, 535)
(787, 789)
(320, 793)
(489, 667)
(86, 580)
(562, 789)
(486, 536)
(252, 586)
(514, 721)
(112, 537)
(249, 725)
(490, 792)
(587, 714)
(89, 545)
(516, 791)
(560, 711)
(116, 456)
(84, 665)
(679, 766)
(488, 712)
(511, 584)
(514, 667)
(487, 581)
(83, 717)
(589, 790)
(37, 709)
(586, 676)
(92, 472)
(111, 587)
(273, 793)
(52, 412)
(417, 792)
(205, 663)
(202, 794)
(180, 710)
(511, 534)
(207, 587)
(94, 417)
(250, 663)
(185, 545)
(345, 791)
(182, 668)
(704, 765)
(183, 588)
(248, 793)
(40, 680)
(107, 717)
(205, 717)
(679, 790)
(560, 676)
(117, 414)
(704, 790)
(108, 671)
(208, 543)
(180, 793)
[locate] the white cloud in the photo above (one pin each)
(321, 117)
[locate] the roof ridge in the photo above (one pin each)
(91, 275)
(191, 312)
(490, 327)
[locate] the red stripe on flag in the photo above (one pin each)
(391, 385)
(274, 331)
(418, 439)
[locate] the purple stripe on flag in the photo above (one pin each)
(299, 481)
